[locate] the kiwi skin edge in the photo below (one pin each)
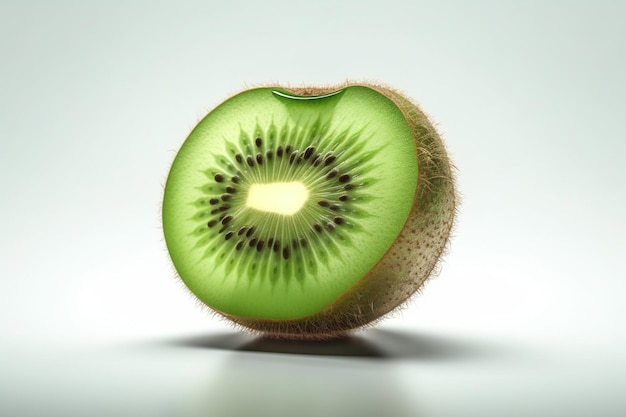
(411, 259)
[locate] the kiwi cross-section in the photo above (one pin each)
(305, 213)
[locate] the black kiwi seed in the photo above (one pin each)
(344, 198)
(242, 230)
(215, 211)
(259, 246)
(259, 158)
(329, 160)
(228, 235)
(269, 155)
(286, 252)
(250, 161)
(250, 231)
(348, 187)
(212, 223)
(293, 157)
(239, 158)
(338, 220)
(288, 149)
(235, 179)
(239, 245)
(344, 178)
(317, 160)
(219, 178)
(258, 142)
(227, 219)
(317, 228)
(303, 242)
(253, 242)
(223, 228)
(334, 207)
(330, 227)
(276, 246)
(230, 189)
(213, 201)
(332, 173)
(226, 197)
(308, 152)
(224, 207)
(323, 203)
(270, 242)
(279, 152)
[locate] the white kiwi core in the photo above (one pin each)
(286, 198)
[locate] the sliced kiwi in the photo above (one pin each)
(305, 213)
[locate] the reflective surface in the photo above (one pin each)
(396, 372)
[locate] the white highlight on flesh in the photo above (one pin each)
(285, 198)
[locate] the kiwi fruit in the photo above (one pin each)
(304, 213)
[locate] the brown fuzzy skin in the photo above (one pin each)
(409, 261)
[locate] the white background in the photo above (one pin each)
(527, 315)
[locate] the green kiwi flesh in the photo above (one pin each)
(305, 213)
